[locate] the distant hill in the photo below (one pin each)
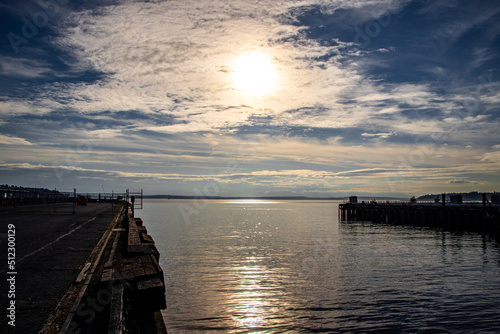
(236, 197)
(303, 198)
(472, 196)
(17, 190)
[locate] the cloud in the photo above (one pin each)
(364, 10)
(379, 135)
(269, 162)
(459, 182)
(174, 58)
(7, 140)
(152, 65)
(23, 68)
(491, 157)
(144, 91)
(465, 17)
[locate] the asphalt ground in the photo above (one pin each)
(51, 247)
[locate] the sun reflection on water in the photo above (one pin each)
(251, 308)
(251, 201)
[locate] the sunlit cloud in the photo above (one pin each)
(257, 97)
(7, 140)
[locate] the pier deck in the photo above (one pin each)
(73, 273)
(470, 217)
(52, 246)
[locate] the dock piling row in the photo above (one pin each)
(471, 217)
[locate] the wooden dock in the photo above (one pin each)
(126, 292)
(467, 217)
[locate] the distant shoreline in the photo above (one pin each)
(472, 196)
(300, 198)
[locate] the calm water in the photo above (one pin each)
(290, 267)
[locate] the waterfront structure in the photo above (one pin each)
(453, 215)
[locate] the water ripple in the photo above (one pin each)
(290, 267)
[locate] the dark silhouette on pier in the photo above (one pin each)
(449, 215)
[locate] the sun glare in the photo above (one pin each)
(255, 74)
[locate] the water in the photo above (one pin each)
(290, 267)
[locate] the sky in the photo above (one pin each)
(251, 97)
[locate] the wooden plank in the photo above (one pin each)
(138, 269)
(144, 249)
(150, 270)
(116, 320)
(150, 295)
(127, 271)
(107, 275)
(83, 273)
(148, 284)
(146, 238)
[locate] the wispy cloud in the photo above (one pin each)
(145, 92)
(7, 140)
(23, 67)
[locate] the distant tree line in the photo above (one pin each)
(17, 195)
(472, 196)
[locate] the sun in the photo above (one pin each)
(255, 74)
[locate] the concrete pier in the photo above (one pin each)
(61, 261)
(468, 217)
(52, 246)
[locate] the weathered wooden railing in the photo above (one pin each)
(135, 276)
